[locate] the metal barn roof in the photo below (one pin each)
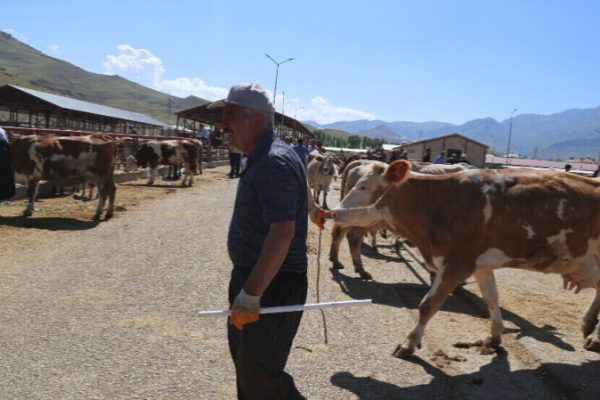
(71, 104)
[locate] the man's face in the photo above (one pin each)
(244, 126)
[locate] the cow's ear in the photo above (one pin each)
(397, 171)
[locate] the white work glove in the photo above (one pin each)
(245, 310)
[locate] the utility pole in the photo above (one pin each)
(276, 75)
(509, 136)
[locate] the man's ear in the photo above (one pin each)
(259, 121)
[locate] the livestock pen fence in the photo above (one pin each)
(127, 144)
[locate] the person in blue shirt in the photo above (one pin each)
(266, 245)
(301, 150)
(441, 159)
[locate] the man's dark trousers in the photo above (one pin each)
(261, 350)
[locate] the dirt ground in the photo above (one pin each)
(107, 310)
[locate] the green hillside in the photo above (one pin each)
(25, 66)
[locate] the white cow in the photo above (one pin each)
(320, 172)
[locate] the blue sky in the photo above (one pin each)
(417, 61)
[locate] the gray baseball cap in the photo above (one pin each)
(247, 95)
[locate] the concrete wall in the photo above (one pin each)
(475, 152)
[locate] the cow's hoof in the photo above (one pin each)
(592, 344)
(365, 275)
(589, 328)
(108, 216)
(96, 217)
(403, 352)
(337, 265)
(491, 343)
(27, 213)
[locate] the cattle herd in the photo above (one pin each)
(90, 160)
(464, 221)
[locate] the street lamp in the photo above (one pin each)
(509, 136)
(277, 74)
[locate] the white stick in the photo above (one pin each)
(299, 307)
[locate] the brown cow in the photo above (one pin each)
(66, 160)
(473, 222)
(368, 175)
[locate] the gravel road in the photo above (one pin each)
(109, 311)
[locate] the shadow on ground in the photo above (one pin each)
(409, 295)
(493, 381)
(48, 223)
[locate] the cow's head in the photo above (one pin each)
(326, 166)
(368, 187)
(360, 207)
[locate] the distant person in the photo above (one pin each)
(320, 147)
(369, 153)
(312, 146)
(235, 160)
(453, 159)
(568, 167)
(301, 150)
(464, 159)
(204, 134)
(596, 173)
(288, 140)
(426, 156)
(216, 138)
(441, 159)
(403, 154)
(7, 174)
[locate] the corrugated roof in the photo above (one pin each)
(213, 116)
(91, 108)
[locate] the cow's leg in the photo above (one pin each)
(316, 191)
(325, 190)
(590, 326)
(355, 238)
(373, 239)
(187, 176)
(487, 284)
(103, 192)
(32, 189)
(152, 172)
(337, 235)
(112, 191)
(447, 278)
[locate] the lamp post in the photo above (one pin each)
(509, 136)
(277, 74)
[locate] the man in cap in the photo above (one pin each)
(267, 247)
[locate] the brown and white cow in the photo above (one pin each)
(169, 152)
(66, 160)
(320, 172)
(368, 177)
(473, 222)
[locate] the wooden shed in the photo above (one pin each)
(453, 144)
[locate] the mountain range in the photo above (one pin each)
(22, 65)
(571, 133)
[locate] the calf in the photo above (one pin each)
(472, 222)
(66, 161)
